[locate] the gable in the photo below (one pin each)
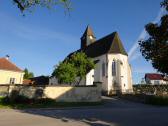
(7, 65)
(117, 46)
(108, 44)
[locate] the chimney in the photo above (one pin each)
(7, 57)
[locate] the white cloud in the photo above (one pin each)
(134, 52)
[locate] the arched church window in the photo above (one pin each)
(114, 68)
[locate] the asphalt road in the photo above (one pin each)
(113, 113)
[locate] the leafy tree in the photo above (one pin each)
(164, 4)
(28, 74)
(65, 73)
(155, 48)
(30, 4)
(73, 67)
(82, 63)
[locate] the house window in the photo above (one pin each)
(103, 69)
(114, 68)
(12, 80)
(156, 82)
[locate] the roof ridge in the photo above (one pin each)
(8, 61)
(109, 44)
(112, 41)
(14, 64)
(101, 38)
(154, 73)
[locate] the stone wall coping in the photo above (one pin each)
(61, 85)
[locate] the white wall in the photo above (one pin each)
(153, 82)
(90, 77)
(98, 72)
(5, 76)
(124, 74)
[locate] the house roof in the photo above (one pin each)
(154, 76)
(40, 80)
(27, 81)
(5, 64)
(108, 44)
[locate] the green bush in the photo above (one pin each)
(3, 100)
(22, 99)
(157, 100)
(17, 100)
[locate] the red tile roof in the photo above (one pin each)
(5, 64)
(27, 81)
(154, 76)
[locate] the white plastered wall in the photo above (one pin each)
(5, 76)
(123, 73)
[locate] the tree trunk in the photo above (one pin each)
(80, 79)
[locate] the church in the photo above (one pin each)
(112, 66)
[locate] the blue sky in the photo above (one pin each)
(44, 37)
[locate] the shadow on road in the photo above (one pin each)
(114, 112)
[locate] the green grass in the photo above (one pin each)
(147, 99)
(44, 103)
(157, 100)
(3, 104)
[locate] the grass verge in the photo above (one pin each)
(157, 100)
(147, 99)
(43, 103)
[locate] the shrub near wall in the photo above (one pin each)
(157, 100)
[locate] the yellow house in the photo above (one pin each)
(10, 73)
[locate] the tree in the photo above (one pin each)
(65, 73)
(30, 4)
(73, 67)
(155, 48)
(164, 4)
(28, 74)
(82, 63)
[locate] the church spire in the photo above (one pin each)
(87, 38)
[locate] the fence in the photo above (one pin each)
(150, 89)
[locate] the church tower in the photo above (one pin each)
(87, 38)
